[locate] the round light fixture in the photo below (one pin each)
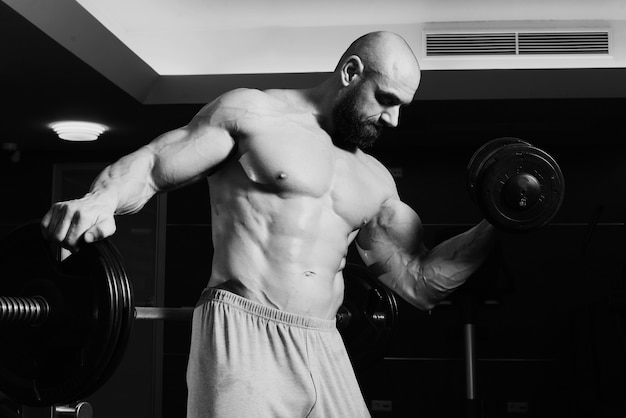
(78, 131)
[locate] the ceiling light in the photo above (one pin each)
(78, 131)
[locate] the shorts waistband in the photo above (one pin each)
(262, 311)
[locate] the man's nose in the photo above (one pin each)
(390, 116)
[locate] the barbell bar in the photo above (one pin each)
(66, 324)
(35, 310)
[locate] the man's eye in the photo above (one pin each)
(385, 100)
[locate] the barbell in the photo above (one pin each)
(65, 324)
(517, 186)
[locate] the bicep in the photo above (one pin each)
(395, 232)
(392, 247)
(187, 154)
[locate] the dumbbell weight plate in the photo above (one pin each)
(481, 159)
(521, 189)
(517, 186)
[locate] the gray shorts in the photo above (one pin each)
(248, 360)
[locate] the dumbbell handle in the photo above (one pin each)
(35, 310)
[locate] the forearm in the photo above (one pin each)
(425, 277)
(443, 269)
(127, 184)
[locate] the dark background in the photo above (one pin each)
(554, 343)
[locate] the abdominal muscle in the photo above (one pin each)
(284, 211)
(283, 252)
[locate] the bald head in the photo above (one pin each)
(382, 52)
(376, 75)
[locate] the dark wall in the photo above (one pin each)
(550, 342)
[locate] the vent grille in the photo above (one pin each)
(563, 43)
(517, 43)
(470, 44)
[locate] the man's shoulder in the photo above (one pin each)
(381, 180)
(250, 102)
(244, 98)
(234, 106)
(374, 164)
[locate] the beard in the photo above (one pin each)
(352, 131)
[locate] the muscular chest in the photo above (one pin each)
(299, 160)
(287, 157)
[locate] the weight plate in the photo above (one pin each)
(372, 314)
(480, 159)
(110, 310)
(521, 189)
(54, 362)
(125, 309)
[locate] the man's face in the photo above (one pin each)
(352, 129)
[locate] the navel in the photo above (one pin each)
(281, 176)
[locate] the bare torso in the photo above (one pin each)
(286, 207)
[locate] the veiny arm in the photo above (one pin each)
(173, 159)
(391, 244)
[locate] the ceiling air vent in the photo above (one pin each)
(517, 43)
(449, 44)
(563, 43)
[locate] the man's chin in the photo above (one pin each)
(362, 138)
(366, 141)
(353, 144)
(365, 145)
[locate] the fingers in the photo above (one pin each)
(71, 223)
(100, 231)
(56, 223)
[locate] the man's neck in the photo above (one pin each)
(321, 100)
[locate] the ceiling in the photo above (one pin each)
(144, 66)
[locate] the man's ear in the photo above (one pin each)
(351, 70)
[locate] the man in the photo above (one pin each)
(290, 190)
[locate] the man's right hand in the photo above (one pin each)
(73, 222)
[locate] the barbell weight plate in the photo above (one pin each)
(125, 310)
(103, 370)
(68, 355)
(521, 189)
(480, 159)
(98, 345)
(372, 314)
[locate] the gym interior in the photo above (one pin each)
(547, 310)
